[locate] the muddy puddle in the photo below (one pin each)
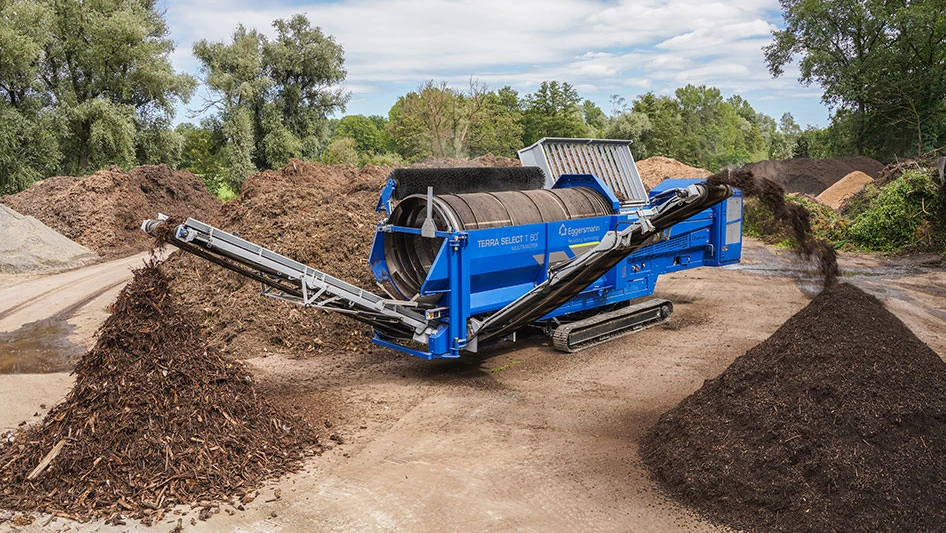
(866, 272)
(40, 347)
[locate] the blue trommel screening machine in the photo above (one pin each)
(570, 242)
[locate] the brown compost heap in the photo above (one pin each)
(837, 422)
(654, 170)
(812, 176)
(321, 215)
(155, 419)
(104, 211)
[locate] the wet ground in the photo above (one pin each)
(39, 347)
(859, 269)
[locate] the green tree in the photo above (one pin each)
(29, 148)
(498, 129)
(159, 143)
(817, 143)
(306, 68)
(84, 85)
(663, 114)
(409, 132)
(428, 115)
(201, 151)
(594, 118)
(633, 126)
(107, 65)
(882, 66)
(368, 137)
(340, 151)
(781, 137)
(699, 127)
(441, 121)
(273, 96)
(552, 111)
(29, 132)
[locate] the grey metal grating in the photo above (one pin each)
(608, 159)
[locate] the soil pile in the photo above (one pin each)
(28, 245)
(104, 211)
(837, 422)
(812, 176)
(838, 194)
(320, 215)
(155, 419)
(655, 169)
(794, 218)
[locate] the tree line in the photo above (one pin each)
(87, 84)
(84, 85)
(882, 65)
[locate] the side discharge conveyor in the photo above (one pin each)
(286, 279)
(469, 263)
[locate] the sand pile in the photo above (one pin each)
(28, 245)
(318, 214)
(654, 170)
(844, 189)
(104, 211)
(837, 422)
(812, 176)
(154, 419)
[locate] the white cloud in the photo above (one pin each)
(599, 45)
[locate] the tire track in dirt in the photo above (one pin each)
(62, 295)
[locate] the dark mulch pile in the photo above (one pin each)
(104, 211)
(795, 218)
(812, 176)
(837, 422)
(155, 419)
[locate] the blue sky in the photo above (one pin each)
(602, 47)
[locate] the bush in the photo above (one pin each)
(891, 220)
(907, 214)
(340, 152)
(826, 224)
(386, 159)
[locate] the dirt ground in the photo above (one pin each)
(521, 437)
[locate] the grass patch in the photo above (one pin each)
(225, 193)
(507, 366)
